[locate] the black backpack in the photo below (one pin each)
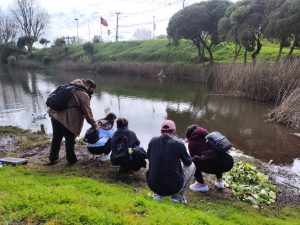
(91, 136)
(59, 99)
(218, 142)
(119, 154)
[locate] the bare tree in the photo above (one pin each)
(8, 29)
(142, 34)
(31, 18)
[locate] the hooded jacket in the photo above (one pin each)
(199, 149)
(79, 109)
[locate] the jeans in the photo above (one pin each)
(60, 132)
(218, 165)
(188, 172)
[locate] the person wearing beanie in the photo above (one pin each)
(68, 123)
(170, 166)
(106, 130)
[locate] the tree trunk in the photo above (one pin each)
(208, 48)
(296, 41)
(254, 54)
(280, 49)
(237, 52)
(245, 57)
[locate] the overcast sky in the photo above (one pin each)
(134, 14)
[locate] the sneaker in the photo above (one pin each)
(220, 184)
(197, 187)
(182, 200)
(104, 157)
(157, 197)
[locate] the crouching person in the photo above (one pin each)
(170, 166)
(126, 152)
(102, 146)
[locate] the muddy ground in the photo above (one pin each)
(288, 183)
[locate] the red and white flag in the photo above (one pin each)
(103, 22)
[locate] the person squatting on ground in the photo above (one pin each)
(106, 130)
(206, 159)
(68, 123)
(170, 166)
(125, 149)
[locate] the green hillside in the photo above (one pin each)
(153, 51)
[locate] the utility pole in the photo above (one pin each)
(117, 27)
(89, 30)
(154, 27)
(183, 3)
(77, 29)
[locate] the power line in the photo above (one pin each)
(145, 23)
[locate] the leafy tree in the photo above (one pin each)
(8, 29)
(198, 22)
(243, 24)
(26, 41)
(59, 42)
(97, 39)
(44, 41)
(89, 48)
(282, 22)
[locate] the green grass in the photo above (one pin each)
(157, 51)
(30, 197)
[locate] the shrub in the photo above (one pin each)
(21, 57)
(47, 60)
(11, 60)
(89, 48)
(85, 59)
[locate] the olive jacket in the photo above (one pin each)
(79, 109)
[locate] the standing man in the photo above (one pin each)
(170, 166)
(68, 122)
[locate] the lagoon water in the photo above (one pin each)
(146, 103)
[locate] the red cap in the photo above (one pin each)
(168, 125)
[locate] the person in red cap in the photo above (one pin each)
(170, 166)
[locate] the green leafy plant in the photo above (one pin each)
(250, 185)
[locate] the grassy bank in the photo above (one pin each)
(29, 197)
(154, 51)
(93, 192)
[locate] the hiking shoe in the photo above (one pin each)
(181, 200)
(104, 157)
(220, 184)
(197, 187)
(157, 197)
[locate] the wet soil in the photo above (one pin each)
(287, 182)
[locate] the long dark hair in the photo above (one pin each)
(189, 130)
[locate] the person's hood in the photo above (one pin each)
(198, 133)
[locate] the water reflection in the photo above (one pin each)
(146, 102)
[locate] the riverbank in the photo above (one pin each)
(91, 186)
(266, 81)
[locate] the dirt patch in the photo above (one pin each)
(288, 188)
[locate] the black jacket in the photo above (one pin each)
(133, 141)
(165, 154)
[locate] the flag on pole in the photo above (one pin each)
(103, 22)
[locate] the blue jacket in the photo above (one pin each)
(104, 135)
